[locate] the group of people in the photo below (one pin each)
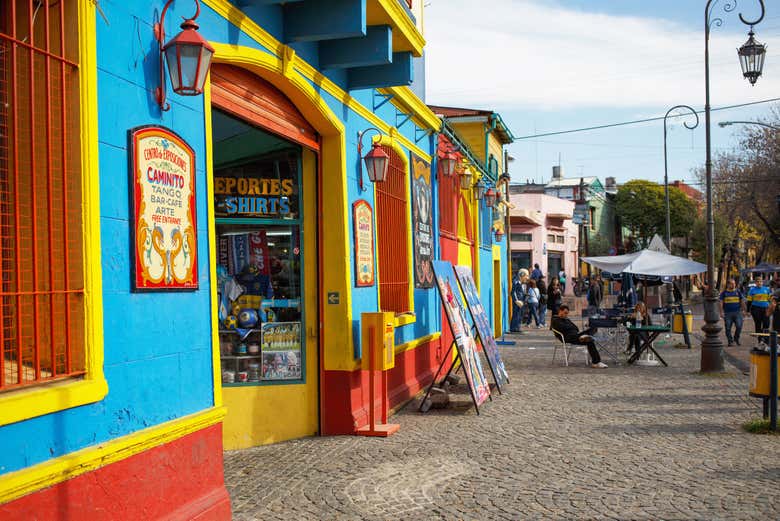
(760, 301)
(532, 297)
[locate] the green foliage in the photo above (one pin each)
(699, 237)
(758, 426)
(641, 205)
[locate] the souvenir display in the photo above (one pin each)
(248, 318)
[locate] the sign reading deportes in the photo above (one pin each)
(164, 239)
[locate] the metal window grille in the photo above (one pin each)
(392, 206)
(449, 191)
(41, 257)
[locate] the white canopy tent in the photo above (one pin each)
(647, 262)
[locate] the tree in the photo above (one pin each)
(641, 206)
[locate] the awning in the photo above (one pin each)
(647, 262)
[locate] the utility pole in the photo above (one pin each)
(586, 222)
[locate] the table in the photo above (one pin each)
(652, 334)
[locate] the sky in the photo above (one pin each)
(556, 65)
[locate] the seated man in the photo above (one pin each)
(572, 335)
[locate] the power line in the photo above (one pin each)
(637, 121)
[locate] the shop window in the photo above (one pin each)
(392, 210)
(259, 254)
(521, 237)
(42, 259)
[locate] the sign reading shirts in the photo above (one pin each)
(482, 323)
(363, 218)
(164, 240)
(422, 223)
(461, 332)
(265, 188)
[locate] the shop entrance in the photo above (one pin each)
(264, 179)
(554, 265)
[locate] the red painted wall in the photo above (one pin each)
(179, 480)
(345, 396)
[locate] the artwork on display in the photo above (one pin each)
(422, 223)
(482, 323)
(281, 351)
(163, 226)
(363, 219)
(461, 332)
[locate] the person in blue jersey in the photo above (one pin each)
(732, 305)
(759, 297)
(536, 274)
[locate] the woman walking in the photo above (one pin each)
(533, 303)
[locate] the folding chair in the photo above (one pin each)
(567, 349)
(606, 336)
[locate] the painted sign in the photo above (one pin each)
(422, 222)
(281, 351)
(164, 239)
(265, 188)
(482, 323)
(363, 219)
(461, 332)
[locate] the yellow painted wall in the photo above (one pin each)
(474, 136)
(497, 296)
(257, 415)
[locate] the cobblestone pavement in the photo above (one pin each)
(561, 443)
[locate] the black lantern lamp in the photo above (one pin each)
(751, 57)
(188, 55)
(377, 161)
(448, 163)
(465, 178)
(490, 198)
(479, 190)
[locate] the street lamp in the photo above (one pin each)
(377, 161)
(724, 124)
(752, 62)
(666, 170)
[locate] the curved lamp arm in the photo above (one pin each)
(159, 35)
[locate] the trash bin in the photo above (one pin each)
(759, 373)
(677, 323)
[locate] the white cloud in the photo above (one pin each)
(518, 54)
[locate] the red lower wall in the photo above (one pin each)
(345, 397)
(181, 480)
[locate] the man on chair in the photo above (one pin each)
(572, 335)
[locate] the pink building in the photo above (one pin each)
(542, 233)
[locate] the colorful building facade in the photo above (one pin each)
(252, 202)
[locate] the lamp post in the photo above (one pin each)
(666, 170)
(751, 56)
(723, 124)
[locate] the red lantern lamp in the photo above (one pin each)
(499, 235)
(188, 55)
(490, 198)
(377, 164)
(448, 163)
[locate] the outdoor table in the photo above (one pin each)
(652, 334)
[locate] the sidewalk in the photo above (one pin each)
(561, 443)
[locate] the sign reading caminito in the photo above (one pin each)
(163, 200)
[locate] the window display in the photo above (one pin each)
(259, 271)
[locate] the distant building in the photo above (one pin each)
(542, 233)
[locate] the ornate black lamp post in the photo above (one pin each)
(751, 56)
(666, 169)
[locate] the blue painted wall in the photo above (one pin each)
(157, 348)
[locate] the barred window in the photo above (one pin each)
(392, 208)
(41, 235)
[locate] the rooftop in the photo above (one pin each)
(463, 115)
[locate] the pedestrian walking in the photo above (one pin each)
(773, 312)
(518, 302)
(541, 285)
(732, 306)
(562, 281)
(759, 296)
(533, 304)
(554, 298)
(595, 293)
(536, 274)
